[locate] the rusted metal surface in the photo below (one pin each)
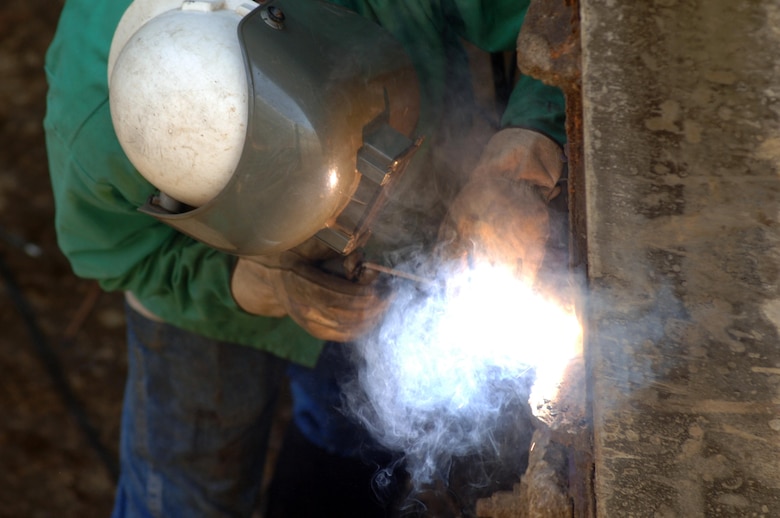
(549, 42)
(542, 492)
(549, 50)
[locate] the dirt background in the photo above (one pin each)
(54, 324)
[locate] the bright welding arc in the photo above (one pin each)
(435, 378)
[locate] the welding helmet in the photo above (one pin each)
(262, 124)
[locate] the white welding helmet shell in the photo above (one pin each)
(273, 122)
(179, 95)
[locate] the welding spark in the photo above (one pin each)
(437, 375)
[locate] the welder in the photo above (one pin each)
(209, 158)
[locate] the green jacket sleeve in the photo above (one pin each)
(493, 26)
(425, 26)
(97, 193)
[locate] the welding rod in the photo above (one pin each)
(398, 273)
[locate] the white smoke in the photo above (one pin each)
(434, 379)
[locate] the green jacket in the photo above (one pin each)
(97, 191)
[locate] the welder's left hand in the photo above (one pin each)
(501, 215)
(328, 306)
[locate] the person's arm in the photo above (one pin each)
(500, 215)
(97, 193)
(493, 26)
(177, 278)
(181, 280)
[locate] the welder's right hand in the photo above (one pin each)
(500, 215)
(327, 306)
(496, 221)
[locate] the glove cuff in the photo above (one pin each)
(524, 155)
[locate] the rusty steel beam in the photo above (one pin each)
(548, 48)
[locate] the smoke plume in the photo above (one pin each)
(449, 359)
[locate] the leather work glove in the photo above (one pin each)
(327, 306)
(501, 215)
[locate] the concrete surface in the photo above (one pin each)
(682, 149)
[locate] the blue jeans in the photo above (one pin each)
(317, 409)
(197, 415)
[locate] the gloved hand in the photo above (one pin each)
(501, 214)
(327, 306)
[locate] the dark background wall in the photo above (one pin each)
(47, 466)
